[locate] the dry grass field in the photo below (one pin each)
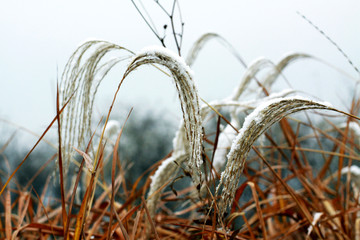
(259, 164)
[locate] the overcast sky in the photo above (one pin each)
(37, 38)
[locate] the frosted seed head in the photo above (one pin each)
(256, 123)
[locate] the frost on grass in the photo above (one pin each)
(317, 217)
(355, 177)
(168, 169)
(354, 170)
(188, 95)
(83, 74)
(227, 136)
(353, 126)
(256, 123)
(177, 63)
(86, 69)
(180, 144)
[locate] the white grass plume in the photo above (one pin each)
(188, 96)
(261, 119)
(83, 75)
(281, 65)
(81, 78)
(251, 71)
(227, 136)
(317, 216)
(180, 153)
(353, 126)
(225, 140)
(355, 175)
(199, 44)
(168, 169)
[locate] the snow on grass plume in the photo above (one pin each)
(188, 95)
(353, 126)
(83, 73)
(169, 168)
(86, 69)
(256, 123)
(228, 135)
(317, 216)
(355, 178)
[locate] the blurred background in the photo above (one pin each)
(39, 36)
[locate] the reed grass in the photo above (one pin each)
(251, 168)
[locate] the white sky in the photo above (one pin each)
(38, 36)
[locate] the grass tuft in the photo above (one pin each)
(239, 169)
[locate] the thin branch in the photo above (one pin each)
(147, 22)
(148, 15)
(173, 8)
(182, 23)
(166, 12)
(173, 28)
(331, 41)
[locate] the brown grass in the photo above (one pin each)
(270, 189)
